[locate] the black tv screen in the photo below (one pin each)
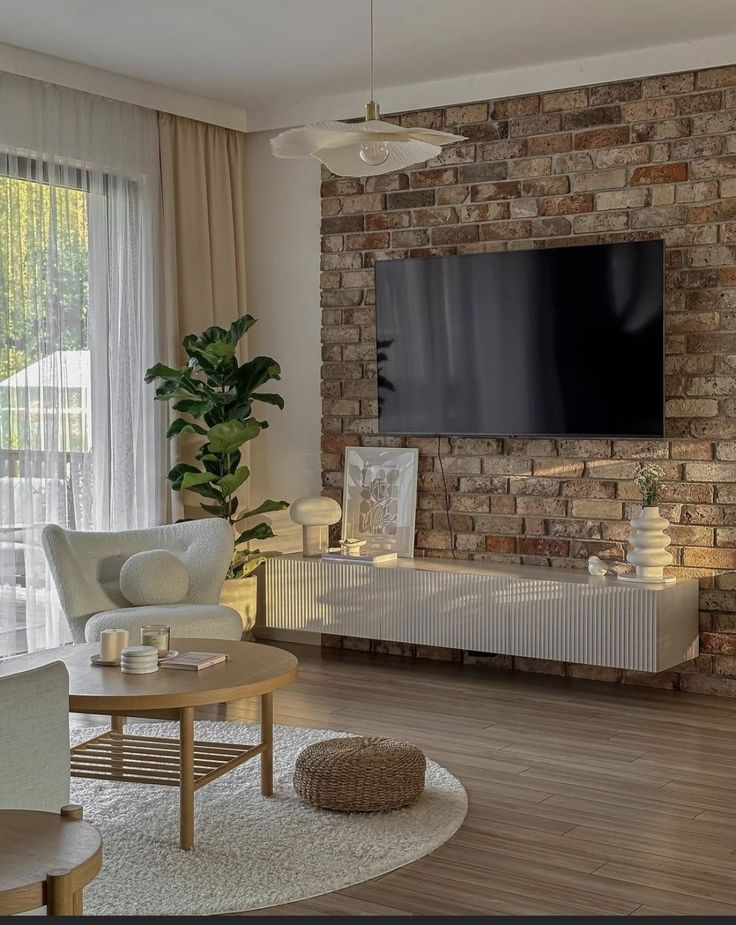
(561, 341)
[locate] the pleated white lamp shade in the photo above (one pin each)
(338, 145)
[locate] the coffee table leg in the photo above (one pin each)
(267, 740)
(186, 779)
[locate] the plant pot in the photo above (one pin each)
(649, 541)
(240, 594)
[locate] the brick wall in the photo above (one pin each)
(615, 162)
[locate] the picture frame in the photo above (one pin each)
(380, 498)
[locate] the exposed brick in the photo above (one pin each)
(545, 186)
(615, 92)
(518, 184)
(534, 125)
(549, 227)
(410, 200)
(623, 157)
(464, 115)
(383, 221)
(622, 199)
(501, 231)
(455, 234)
(482, 192)
(716, 77)
(436, 176)
(517, 106)
(602, 137)
(649, 109)
(658, 173)
(564, 99)
(591, 117)
(597, 180)
(444, 215)
(671, 84)
(549, 144)
(485, 212)
(566, 205)
(342, 223)
(654, 131)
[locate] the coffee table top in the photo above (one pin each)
(252, 669)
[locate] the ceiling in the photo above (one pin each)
(265, 54)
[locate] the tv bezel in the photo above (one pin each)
(547, 435)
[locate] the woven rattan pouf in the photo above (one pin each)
(360, 775)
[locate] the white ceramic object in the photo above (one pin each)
(597, 566)
(649, 541)
(315, 516)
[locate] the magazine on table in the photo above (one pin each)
(194, 661)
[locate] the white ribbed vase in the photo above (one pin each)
(649, 541)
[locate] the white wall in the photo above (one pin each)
(282, 269)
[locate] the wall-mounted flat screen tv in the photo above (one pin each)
(560, 341)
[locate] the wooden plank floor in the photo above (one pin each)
(585, 798)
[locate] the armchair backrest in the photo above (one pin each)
(34, 737)
(86, 566)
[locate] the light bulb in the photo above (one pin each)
(375, 153)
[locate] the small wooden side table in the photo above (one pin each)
(46, 859)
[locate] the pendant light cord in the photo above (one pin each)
(371, 7)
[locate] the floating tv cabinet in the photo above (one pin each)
(558, 614)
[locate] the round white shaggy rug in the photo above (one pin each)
(249, 851)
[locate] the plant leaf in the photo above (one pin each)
(264, 508)
(231, 435)
(271, 398)
(230, 483)
(177, 474)
(259, 532)
(239, 327)
(254, 373)
(161, 371)
(192, 479)
(182, 426)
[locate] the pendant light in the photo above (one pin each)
(360, 149)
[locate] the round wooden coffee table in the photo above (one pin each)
(46, 859)
(252, 670)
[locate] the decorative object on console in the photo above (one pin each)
(351, 546)
(217, 393)
(380, 497)
(372, 558)
(649, 538)
(597, 566)
(363, 148)
(315, 515)
(359, 774)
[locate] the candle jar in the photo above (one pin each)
(158, 636)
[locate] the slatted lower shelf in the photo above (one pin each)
(148, 760)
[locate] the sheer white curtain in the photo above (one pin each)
(81, 440)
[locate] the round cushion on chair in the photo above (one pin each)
(155, 576)
(360, 774)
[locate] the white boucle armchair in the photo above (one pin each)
(86, 570)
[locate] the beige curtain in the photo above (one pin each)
(202, 185)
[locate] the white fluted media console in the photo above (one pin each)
(557, 614)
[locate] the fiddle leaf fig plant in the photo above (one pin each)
(214, 395)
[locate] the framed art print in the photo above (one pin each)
(380, 498)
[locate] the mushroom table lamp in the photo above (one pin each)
(315, 516)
